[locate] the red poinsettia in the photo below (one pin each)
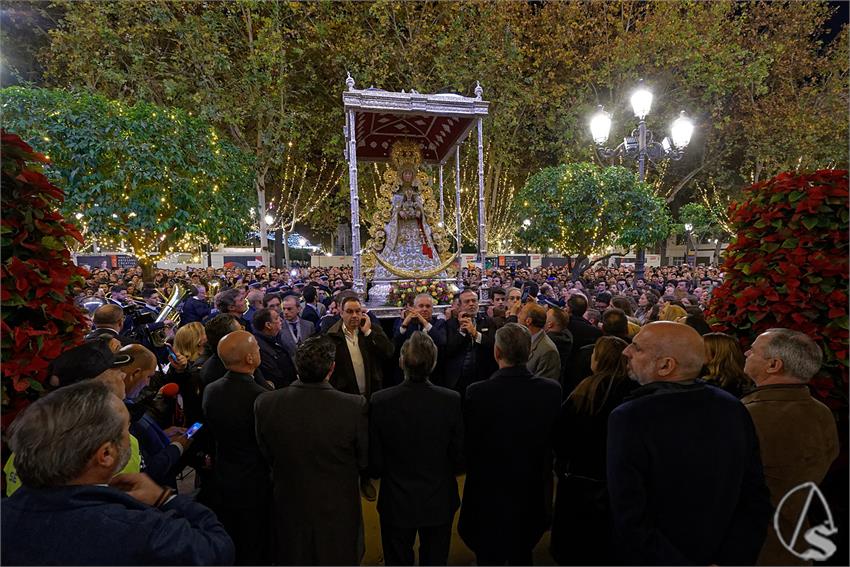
(788, 267)
(40, 319)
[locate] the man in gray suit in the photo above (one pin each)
(316, 439)
(295, 330)
(545, 360)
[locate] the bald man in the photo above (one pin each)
(242, 480)
(108, 322)
(684, 473)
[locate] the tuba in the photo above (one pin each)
(169, 312)
(213, 287)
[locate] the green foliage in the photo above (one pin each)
(584, 210)
(150, 176)
(763, 90)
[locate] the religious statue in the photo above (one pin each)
(406, 242)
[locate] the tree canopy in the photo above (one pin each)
(585, 211)
(151, 177)
(757, 78)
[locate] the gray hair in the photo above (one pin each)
(801, 356)
(54, 438)
(510, 289)
(514, 342)
(428, 295)
(418, 357)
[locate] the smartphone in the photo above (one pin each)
(194, 429)
(171, 354)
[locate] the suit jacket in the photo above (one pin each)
(415, 448)
(213, 368)
(509, 423)
(798, 440)
(437, 334)
(275, 362)
(316, 440)
(310, 313)
(466, 360)
(685, 478)
(160, 456)
(306, 329)
(544, 360)
(564, 343)
(583, 334)
(375, 350)
(194, 310)
(241, 471)
(100, 525)
(101, 333)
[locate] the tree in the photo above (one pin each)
(788, 266)
(151, 177)
(757, 77)
(40, 319)
(584, 211)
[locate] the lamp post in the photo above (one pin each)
(688, 228)
(640, 145)
(525, 224)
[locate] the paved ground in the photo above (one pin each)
(458, 555)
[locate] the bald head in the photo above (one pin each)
(239, 352)
(108, 316)
(138, 372)
(665, 352)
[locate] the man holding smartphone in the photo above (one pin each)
(469, 345)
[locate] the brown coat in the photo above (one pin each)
(798, 439)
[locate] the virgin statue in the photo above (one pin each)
(406, 241)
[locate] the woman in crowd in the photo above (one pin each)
(189, 343)
(646, 301)
(724, 365)
(580, 531)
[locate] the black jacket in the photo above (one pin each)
(241, 472)
(194, 310)
(375, 350)
(467, 361)
(509, 420)
(276, 364)
(415, 448)
(564, 343)
(685, 478)
(437, 334)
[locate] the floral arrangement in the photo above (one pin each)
(788, 267)
(40, 319)
(402, 293)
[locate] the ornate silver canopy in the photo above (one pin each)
(438, 123)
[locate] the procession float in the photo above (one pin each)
(410, 248)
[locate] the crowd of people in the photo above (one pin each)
(603, 409)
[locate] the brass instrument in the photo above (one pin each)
(169, 312)
(213, 287)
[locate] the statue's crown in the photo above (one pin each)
(406, 153)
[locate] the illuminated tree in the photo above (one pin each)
(584, 211)
(154, 179)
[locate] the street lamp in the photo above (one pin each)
(688, 228)
(640, 145)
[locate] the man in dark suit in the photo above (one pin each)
(276, 363)
(684, 474)
(584, 333)
(415, 448)
(316, 439)
(108, 323)
(196, 308)
(614, 324)
(509, 420)
(311, 312)
(361, 350)
(419, 318)
(469, 345)
(241, 472)
(294, 329)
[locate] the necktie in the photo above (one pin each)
(294, 327)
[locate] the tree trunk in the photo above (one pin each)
(148, 266)
(260, 186)
(582, 263)
(285, 248)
